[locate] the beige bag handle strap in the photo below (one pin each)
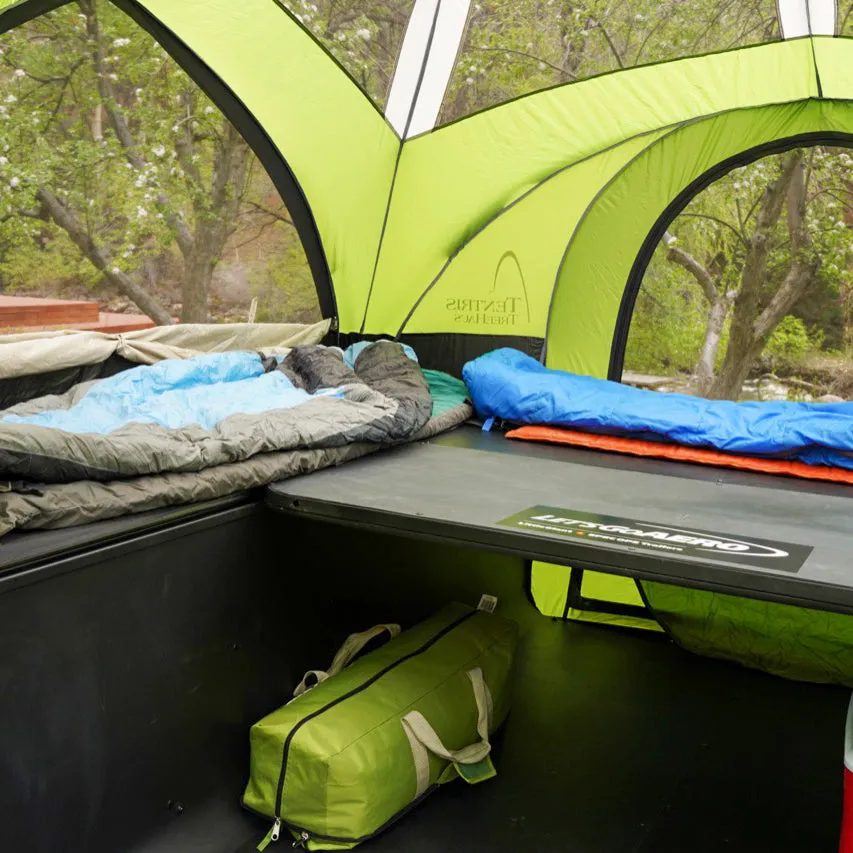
(353, 644)
(423, 738)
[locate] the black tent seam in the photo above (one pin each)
(653, 614)
(27, 10)
(412, 106)
(527, 582)
(247, 124)
(506, 209)
(613, 608)
(573, 590)
(644, 256)
(593, 201)
(811, 44)
(576, 600)
(565, 615)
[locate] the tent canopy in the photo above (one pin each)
(531, 219)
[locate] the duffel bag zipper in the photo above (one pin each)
(275, 833)
(304, 836)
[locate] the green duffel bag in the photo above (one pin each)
(347, 757)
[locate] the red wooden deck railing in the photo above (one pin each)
(31, 314)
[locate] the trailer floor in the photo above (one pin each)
(619, 743)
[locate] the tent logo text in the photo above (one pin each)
(486, 312)
(505, 304)
(671, 535)
(579, 529)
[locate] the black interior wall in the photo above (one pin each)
(447, 351)
(129, 678)
(128, 681)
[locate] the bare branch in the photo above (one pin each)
(804, 265)
(611, 45)
(26, 214)
(722, 222)
(106, 90)
(259, 208)
(770, 209)
(185, 145)
(262, 229)
(524, 55)
(68, 220)
(688, 262)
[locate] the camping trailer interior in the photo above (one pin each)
(458, 216)
(138, 652)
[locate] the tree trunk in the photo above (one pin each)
(735, 370)
(98, 123)
(719, 305)
(198, 273)
(745, 345)
(216, 217)
(703, 374)
(73, 226)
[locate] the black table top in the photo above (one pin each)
(757, 535)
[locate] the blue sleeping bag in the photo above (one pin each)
(175, 393)
(510, 385)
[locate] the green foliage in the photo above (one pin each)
(44, 266)
(514, 47)
(365, 36)
(48, 136)
(715, 228)
(65, 76)
(790, 341)
(285, 290)
(668, 323)
(845, 17)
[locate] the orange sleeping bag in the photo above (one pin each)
(680, 453)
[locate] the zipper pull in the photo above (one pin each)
(304, 838)
(271, 836)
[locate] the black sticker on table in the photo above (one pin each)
(663, 539)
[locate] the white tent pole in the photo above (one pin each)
(798, 18)
(425, 64)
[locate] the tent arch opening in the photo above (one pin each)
(257, 137)
(598, 278)
(677, 205)
(336, 208)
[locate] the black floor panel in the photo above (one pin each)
(619, 743)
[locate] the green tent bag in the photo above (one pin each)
(346, 758)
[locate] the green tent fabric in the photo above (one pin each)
(794, 642)
(489, 225)
(341, 150)
(524, 223)
(457, 179)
